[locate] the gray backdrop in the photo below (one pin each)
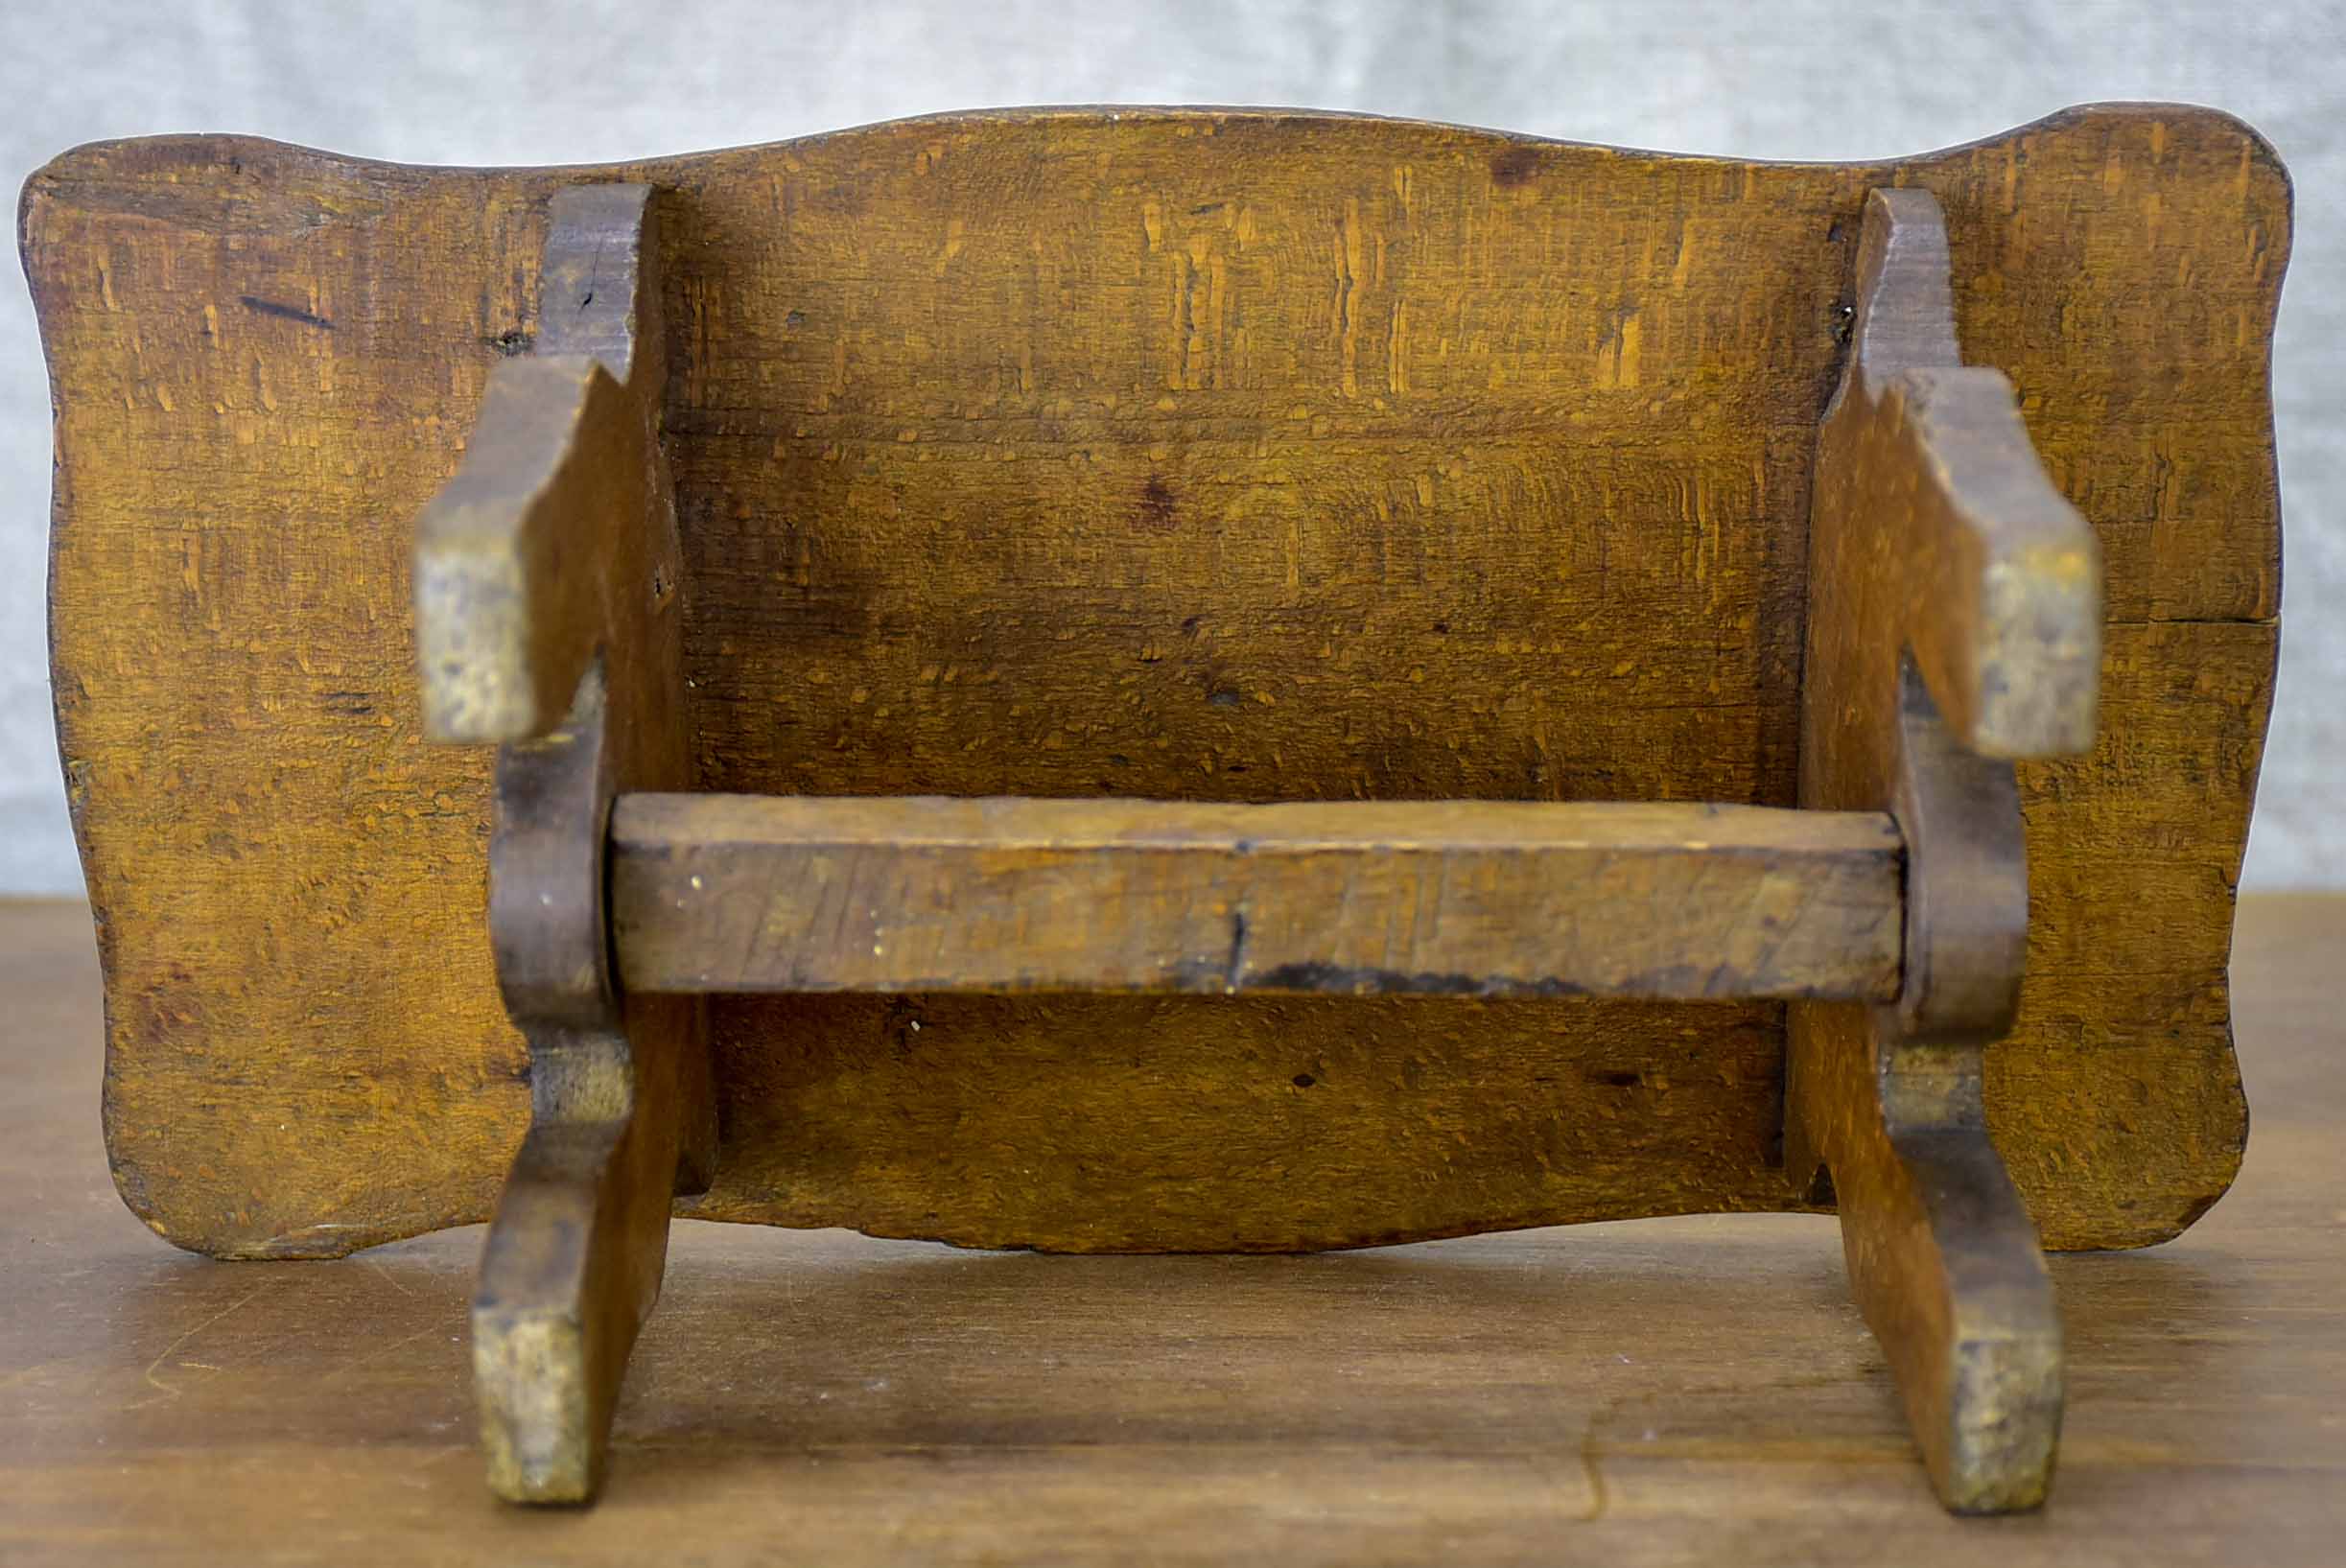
(444, 82)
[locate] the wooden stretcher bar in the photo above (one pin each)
(746, 893)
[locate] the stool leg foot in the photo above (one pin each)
(1942, 1257)
(572, 1269)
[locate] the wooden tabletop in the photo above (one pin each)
(1661, 1391)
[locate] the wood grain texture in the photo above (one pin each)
(777, 892)
(1193, 454)
(1651, 1396)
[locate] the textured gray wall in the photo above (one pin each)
(447, 82)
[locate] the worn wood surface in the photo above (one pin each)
(1206, 456)
(749, 892)
(1668, 1392)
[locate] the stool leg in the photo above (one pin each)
(1955, 619)
(548, 619)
